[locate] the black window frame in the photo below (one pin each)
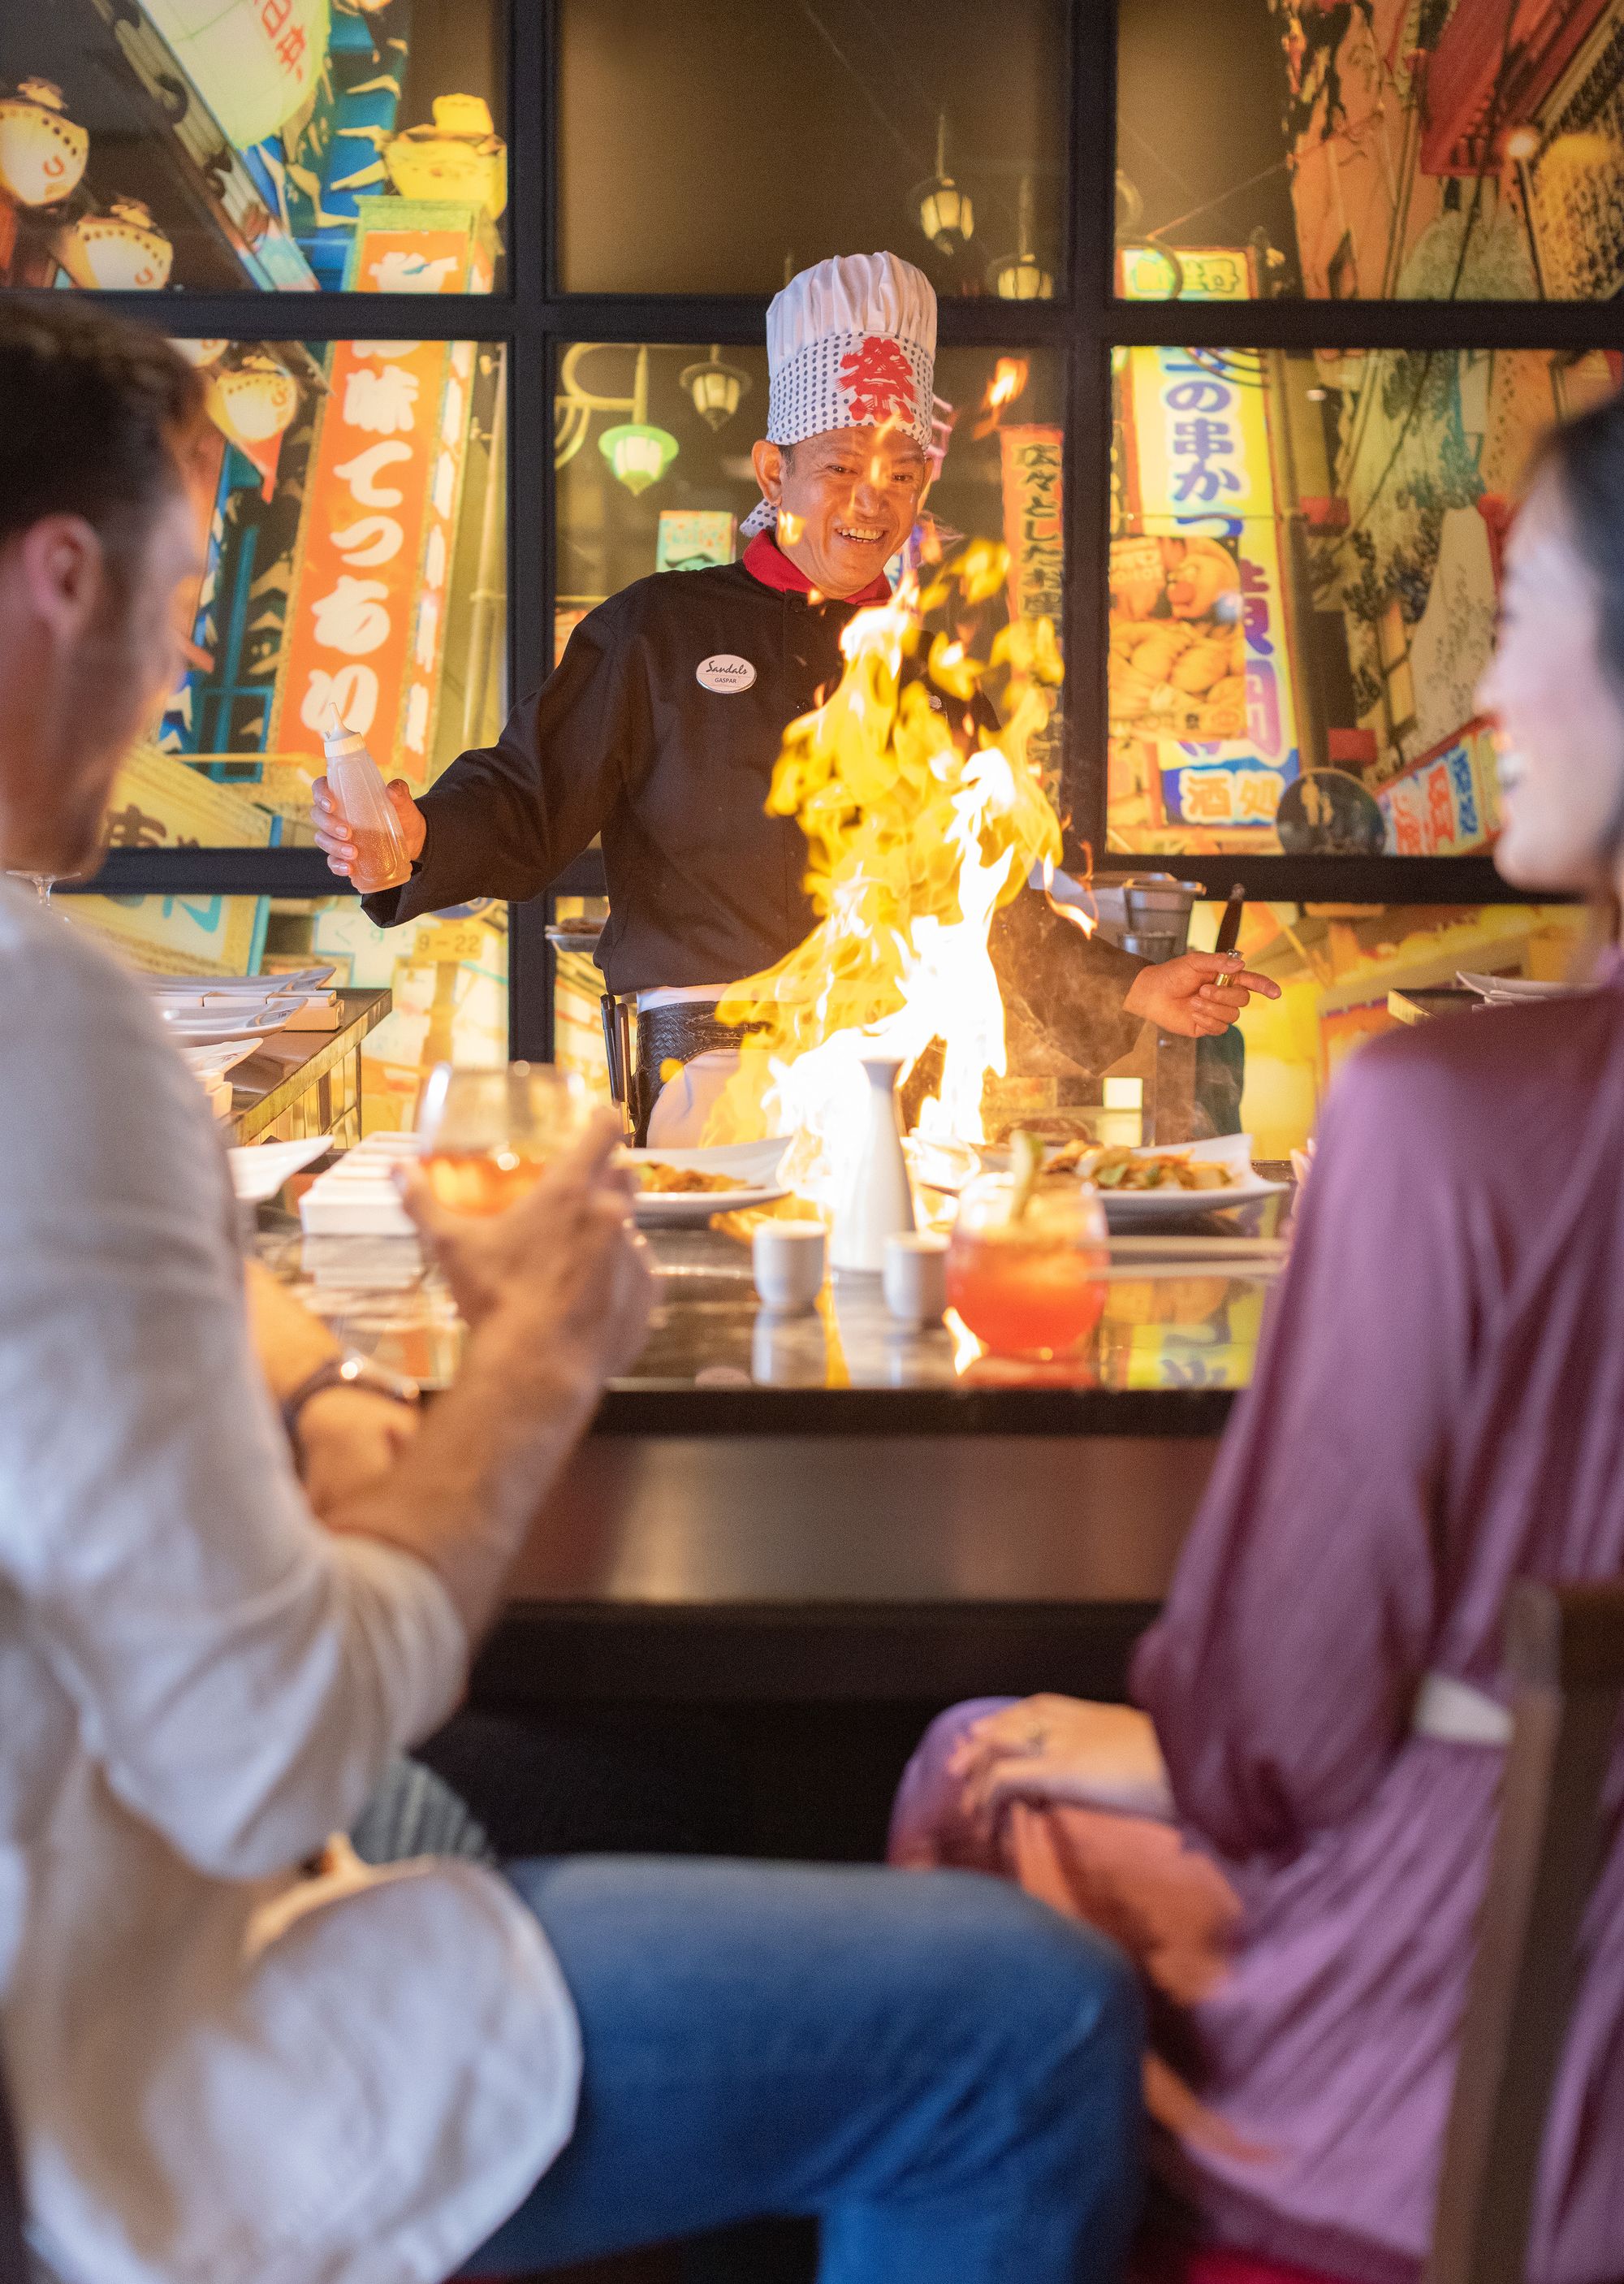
(535, 323)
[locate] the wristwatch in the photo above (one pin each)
(350, 1370)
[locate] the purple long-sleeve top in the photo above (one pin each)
(1438, 1411)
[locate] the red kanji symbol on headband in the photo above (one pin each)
(881, 383)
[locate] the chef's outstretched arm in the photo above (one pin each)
(506, 819)
(1093, 998)
(1196, 995)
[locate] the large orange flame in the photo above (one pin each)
(919, 826)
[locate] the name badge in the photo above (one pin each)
(724, 672)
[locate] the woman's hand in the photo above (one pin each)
(1062, 1750)
(1197, 995)
(567, 1254)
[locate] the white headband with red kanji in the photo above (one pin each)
(850, 344)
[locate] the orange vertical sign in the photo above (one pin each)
(353, 607)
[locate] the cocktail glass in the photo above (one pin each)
(1028, 1284)
(488, 1134)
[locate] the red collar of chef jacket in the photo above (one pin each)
(767, 561)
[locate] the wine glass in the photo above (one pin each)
(488, 1133)
(1027, 1277)
(43, 883)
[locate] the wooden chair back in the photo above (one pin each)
(1565, 1647)
(1566, 1650)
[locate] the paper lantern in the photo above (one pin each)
(946, 215)
(460, 157)
(716, 389)
(253, 62)
(42, 152)
(257, 400)
(1021, 276)
(122, 252)
(639, 455)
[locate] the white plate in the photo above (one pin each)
(306, 980)
(214, 1028)
(1512, 987)
(693, 1209)
(1133, 1208)
(754, 1163)
(210, 1063)
(258, 1170)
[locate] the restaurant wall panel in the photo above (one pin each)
(708, 148)
(1347, 973)
(1413, 208)
(245, 146)
(352, 531)
(1305, 567)
(1450, 151)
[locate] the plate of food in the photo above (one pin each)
(1151, 1184)
(684, 1188)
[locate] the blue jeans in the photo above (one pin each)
(942, 2070)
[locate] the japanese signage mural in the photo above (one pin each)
(1444, 804)
(366, 615)
(1202, 722)
(254, 62)
(1033, 534)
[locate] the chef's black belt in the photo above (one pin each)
(676, 1033)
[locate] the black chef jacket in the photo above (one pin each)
(625, 741)
(703, 887)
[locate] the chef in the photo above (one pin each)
(661, 727)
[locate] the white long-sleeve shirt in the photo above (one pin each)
(220, 2070)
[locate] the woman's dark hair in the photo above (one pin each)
(96, 418)
(1586, 456)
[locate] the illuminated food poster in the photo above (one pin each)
(1202, 723)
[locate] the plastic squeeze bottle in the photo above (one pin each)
(357, 785)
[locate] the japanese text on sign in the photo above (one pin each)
(366, 615)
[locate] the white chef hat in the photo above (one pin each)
(851, 343)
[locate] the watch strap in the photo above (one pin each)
(347, 1371)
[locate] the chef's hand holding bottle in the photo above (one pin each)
(337, 842)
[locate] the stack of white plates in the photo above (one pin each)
(1511, 990)
(206, 1010)
(356, 1196)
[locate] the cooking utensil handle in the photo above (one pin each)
(633, 1109)
(1229, 925)
(611, 1049)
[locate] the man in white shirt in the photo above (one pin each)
(224, 2064)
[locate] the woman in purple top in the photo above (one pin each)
(1292, 1835)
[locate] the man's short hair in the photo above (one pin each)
(97, 419)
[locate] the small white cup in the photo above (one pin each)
(787, 1257)
(916, 1276)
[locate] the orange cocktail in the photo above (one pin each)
(488, 1134)
(482, 1181)
(1028, 1283)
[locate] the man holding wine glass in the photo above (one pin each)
(231, 2049)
